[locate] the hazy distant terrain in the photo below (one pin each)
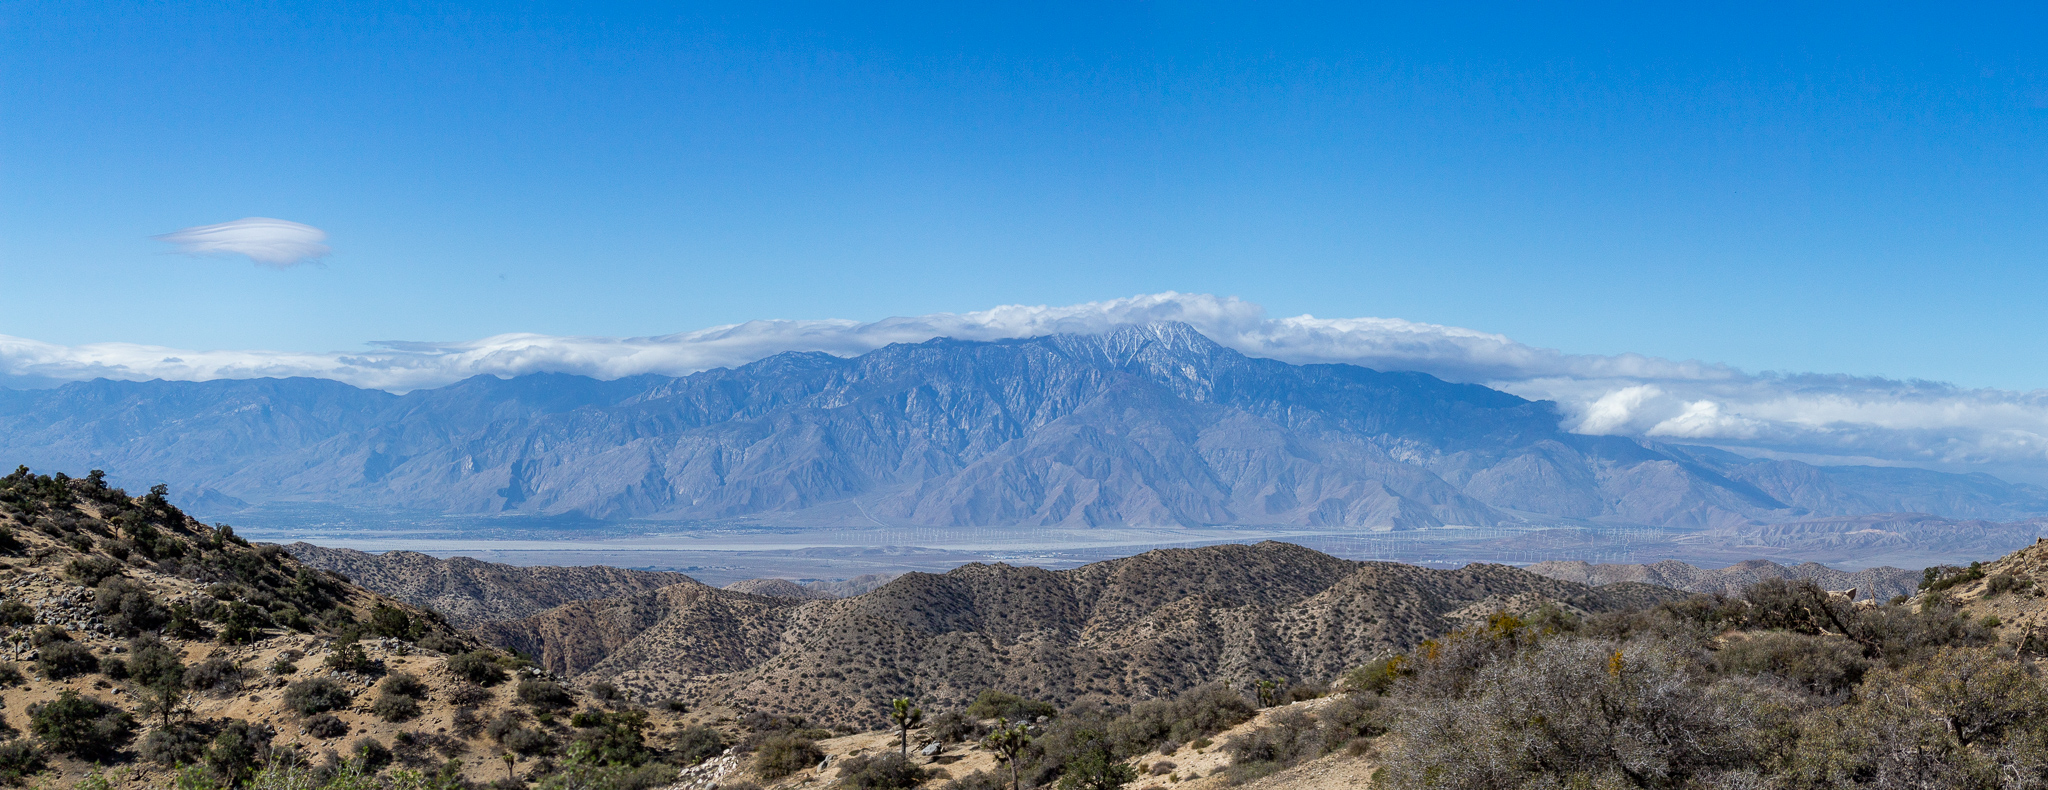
(1870, 583)
(1145, 425)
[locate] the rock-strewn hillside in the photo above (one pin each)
(1125, 629)
(1869, 583)
(1145, 425)
(138, 641)
(469, 591)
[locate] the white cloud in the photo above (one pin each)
(1810, 416)
(269, 242)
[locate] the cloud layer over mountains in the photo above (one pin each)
(1818, 417)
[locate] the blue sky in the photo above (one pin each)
(1825, 188)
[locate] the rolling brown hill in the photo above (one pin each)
(469, 592)
(113, 603)
(1125, 629)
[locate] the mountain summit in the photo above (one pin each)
(1145, 425)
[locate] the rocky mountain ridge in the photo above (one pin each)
(1134, 628)
(1149, 425)
(470, 592)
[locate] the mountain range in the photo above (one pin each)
(1150, 425)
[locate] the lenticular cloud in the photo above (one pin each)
(1819, 417)
(269, 242)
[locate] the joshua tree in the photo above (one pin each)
(1008, 741)
(1269, 692)
(906, 717)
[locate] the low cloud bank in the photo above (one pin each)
(1825, 418)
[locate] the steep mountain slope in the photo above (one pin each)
(469, 591)
(1870, 583)
(150, 640)
(1124, 629)
(1145, 425)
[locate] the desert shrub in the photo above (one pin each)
(1942, 577)
(885, 771)
(1817, 664)
(180, 743)
(154, 664)
(216, 674)
(239, 623)
(60, 660)
(440, 643)
(1094, 765)
(544, 694)
(781, 755)
(992, 704)
(979, 780)
(128, 607)
(477, 666)
(10, 676)
(80, 726)
(696, 743)
(503, 724)
(391, 621)
(1164, 767)
(316, 695)
(232, 756)
(325, 725)
(955, 727)
(466, 723)
(19, 760)
(283, 666)
(348, 656)
(395, 707)
(2002, 583)
(405, 685)
(48, 634)
(14, 612)
(370, 754)
(528, 741)
(467, 694)
(1594, 697)
(1448, 665)
(91, 570)
(1204, 710)
(614, 738)
(114, 668)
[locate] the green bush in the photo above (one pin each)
(395, 707)
(2003, 583)
(65, 659)
(544, 694)
(477, 666)
(14, 612)
(181, 743)
(1817, 664)
(19, 760)
(326, 725)
(696, 743)
(316, 695)
(91, 570)
(781, 755)
(79, 726)
(1204, 710)
(217, 675)
(404, 684)
(885, 771)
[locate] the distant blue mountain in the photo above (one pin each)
(1146, 425)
